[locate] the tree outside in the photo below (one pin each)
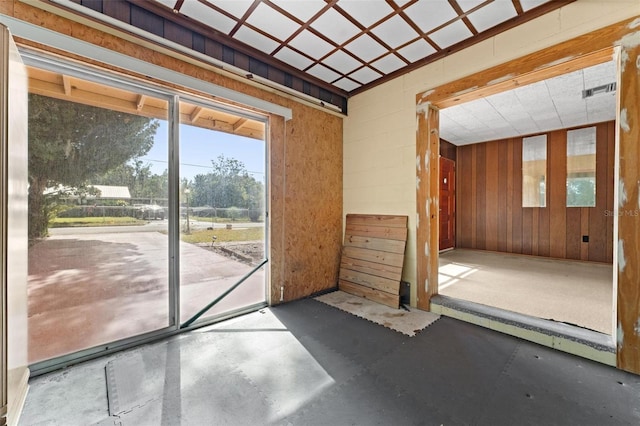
(70, 144)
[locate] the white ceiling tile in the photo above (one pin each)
(451, 34)
(601, 107)
(301, 9)
(417, 50)
(323, 73)
(530, 4)
(207, 16)
(272, 22)
(311, 44)
(599, 75)
(365, 75)
(346, 84)
(366, 12)
(395, 32)
(293, 58)
(342, 62)
(388, 64)
(430, 14)
(235, 7)
(467, 5)
(335, 26)
(366, 48)
(255, 39)
(492, 14)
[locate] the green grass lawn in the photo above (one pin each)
(224, 235)
(66, 222)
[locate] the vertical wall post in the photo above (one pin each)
(628, 203)
(427, 201)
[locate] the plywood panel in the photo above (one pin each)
(494, 187)
(372, 268)
(368, 293)
(377, 232)
(384, 258)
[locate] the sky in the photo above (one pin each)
(199, 146)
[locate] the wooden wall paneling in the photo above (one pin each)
(464, 190)
(573, 229)
(509, 195)
(448, 150)
(492, 162)
(502, 195)
(544, 239)
(481, 196)
(609, 209)
(535, 230)
(628, 268)
(474, 194)
(517, 196)
(527, 230)
(584, 230)
(597, 219)
(557, 193)
(427, 200)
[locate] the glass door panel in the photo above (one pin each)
(98, 254)
(222, 200)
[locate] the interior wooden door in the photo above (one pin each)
(447, 203)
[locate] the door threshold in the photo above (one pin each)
(568, 338)
(446, 250)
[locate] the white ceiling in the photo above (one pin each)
(548, 105)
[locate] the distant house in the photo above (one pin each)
(106, 192)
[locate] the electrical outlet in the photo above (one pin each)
(585, 238)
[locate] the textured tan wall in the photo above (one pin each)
(305, 154)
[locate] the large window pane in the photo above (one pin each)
(222, 201)
(581, 167)
(534, 171)
(98, 256)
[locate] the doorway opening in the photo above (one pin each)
(535, 227)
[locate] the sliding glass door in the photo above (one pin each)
(222, 214)
(146, 211)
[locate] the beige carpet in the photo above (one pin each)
(406, 322)
(570, 291)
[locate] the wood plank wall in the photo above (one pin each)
(490, 215)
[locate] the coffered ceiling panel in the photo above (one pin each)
(326, 49)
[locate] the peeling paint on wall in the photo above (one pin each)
(628, 41)
(622, 194)
(417, 220)
(501, 79)
(634, 24)
(418, 165)
(422, 108)
(620, 335)
(418, 182)
(636, 328)
(465, 91)
(556, 62)
(426, 284)
(622, 262)
(426, 248)
(624, 121)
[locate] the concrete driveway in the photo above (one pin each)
(90, 288)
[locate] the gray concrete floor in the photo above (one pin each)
(306, 363)
(574, 292)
